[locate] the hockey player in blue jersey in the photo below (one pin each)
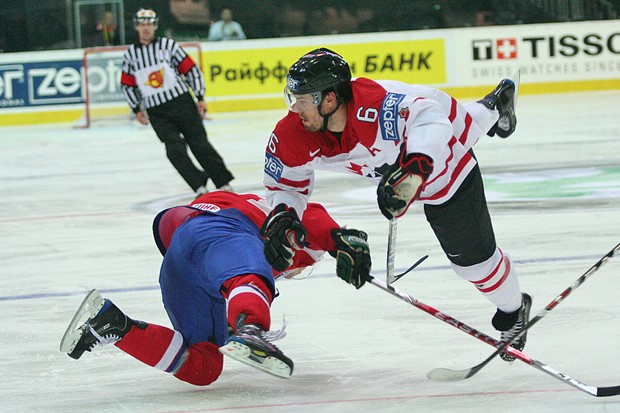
(215, 281)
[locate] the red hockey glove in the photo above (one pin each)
(352, 255)
(401, 184)
(283, 234)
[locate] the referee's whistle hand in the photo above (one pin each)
(142, 117)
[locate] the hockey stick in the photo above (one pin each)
(593, 390)
(391, 253)
(445, 374)
(418, 262)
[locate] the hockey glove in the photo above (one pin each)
(402, 182)
(283, 234)
(352, 255)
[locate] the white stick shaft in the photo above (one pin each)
(391, 252)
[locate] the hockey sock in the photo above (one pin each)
(248, 295)
(157, 346)
(203, 365)
(496, 279)
(166, 350)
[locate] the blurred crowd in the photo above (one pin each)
(50, 24)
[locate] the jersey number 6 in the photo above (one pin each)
(370, 114)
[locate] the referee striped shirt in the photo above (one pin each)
(156, 73)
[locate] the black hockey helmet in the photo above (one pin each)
(319, 71)
(145, 16)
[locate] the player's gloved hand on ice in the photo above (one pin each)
(352, 255)
(402, 182)
(283, 234)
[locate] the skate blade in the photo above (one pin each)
(516, 79)
(242, 353)
(90, 306)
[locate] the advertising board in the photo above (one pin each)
(249, 74)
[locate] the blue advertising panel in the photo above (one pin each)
(40, 83)
(58, 82)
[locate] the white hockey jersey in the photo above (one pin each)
(382, 118)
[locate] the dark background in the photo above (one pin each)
(28, 25)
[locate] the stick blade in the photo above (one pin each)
(516, 78)
(444, 375)
(607, 391)
(391, 278)
(418, 262)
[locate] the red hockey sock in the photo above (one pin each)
(249, 295)
(203, 365)
(157, 346)
(166, 350)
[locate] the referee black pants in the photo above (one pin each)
(178, 124)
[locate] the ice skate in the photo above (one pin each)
(510, 324)
(201, 191)
(105, 324)
(504, 99)
(226, 187)
(252, 345)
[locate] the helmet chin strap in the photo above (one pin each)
(328, 115)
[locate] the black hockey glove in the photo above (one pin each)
(401, 184)
(283, 234)
(352, 255)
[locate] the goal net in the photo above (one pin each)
(104, 102)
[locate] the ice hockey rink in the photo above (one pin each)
(76, 211)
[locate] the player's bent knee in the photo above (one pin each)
(203, 365)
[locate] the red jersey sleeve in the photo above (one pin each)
(319, 224)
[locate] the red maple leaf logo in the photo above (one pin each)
(355, 168)
(404, 113)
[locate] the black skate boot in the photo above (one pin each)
(251, 345)
(510, 324)
(504, 99)
(106, 324)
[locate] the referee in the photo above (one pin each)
(156, 78)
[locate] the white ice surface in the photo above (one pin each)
(75, 213)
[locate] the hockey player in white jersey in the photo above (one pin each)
(415, 143)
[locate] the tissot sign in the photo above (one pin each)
(592, 44)
(542, 52)
(488, 49)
